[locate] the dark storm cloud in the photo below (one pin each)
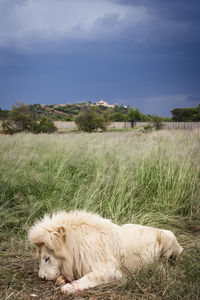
(181, 15)
(141, 53)
(25, 24)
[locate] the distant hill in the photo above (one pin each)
(68, 112)
(54, 112)
(64, 111)
(37, 111)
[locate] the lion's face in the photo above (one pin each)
(49, 265)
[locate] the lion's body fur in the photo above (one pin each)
(91, 248)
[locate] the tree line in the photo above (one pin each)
(186, 114)
(36, 119)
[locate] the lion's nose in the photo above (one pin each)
(41, 275)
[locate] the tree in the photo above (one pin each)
(134, 116)
(117, 117)
(20, 118)
(138, 115)
(131, 116)
(89, 120)
(121, 109)
(3, 114)
(186, 114)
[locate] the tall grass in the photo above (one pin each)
(151, 179)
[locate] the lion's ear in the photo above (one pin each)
(61, 233)
(61, 230)
(54, 239)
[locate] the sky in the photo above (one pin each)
(141, 53)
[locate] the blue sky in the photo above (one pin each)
(142, 53)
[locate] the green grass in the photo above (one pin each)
(152, 179)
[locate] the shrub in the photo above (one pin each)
(19, 123)
(148, 128)
(157, 122)
(46, 126)
(8, 127)
(20, 119)
(89, 120)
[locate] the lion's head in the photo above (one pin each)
(49, 240)
(49, 264)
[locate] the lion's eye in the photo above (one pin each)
(46, 259)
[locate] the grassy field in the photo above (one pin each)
(152, 179)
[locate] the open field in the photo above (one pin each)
(153, 179)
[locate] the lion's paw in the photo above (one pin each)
(70, 288)
(60, 280)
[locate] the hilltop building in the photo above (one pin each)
(104, 103)
(57, 105)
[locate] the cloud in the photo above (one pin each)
(25, 22)
(32, 24)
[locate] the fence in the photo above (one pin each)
(181, 125)
(65, 125)
(120, 125)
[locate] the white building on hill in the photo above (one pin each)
(104, 103)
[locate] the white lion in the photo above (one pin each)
(86, 250)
